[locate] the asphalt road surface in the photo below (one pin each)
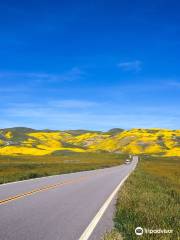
(61, 207)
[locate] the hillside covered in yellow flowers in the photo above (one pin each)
(26, 141)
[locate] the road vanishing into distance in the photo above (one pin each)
(75, 206)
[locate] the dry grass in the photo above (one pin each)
(113, 235)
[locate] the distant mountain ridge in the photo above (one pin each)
(28, 141)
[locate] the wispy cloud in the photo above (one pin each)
(50, 108)
(174, 84)
(73, 74)
(65, 114)
(56, 119)
(12, 89)
(131, 66)
(74, 104)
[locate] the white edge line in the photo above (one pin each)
(88, 231)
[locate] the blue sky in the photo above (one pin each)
(90, 64)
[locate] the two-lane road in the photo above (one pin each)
(59, 207)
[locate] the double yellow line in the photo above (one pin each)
(45, 188)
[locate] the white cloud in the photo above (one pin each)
(131, 66)
(73, 74)
(51, 118)
(174, 84)
(74, 104)
(66, 114)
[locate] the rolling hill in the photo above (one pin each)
(27, 141)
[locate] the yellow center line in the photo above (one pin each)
(45, 188)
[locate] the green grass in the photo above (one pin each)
(150, 198)
(25, 167)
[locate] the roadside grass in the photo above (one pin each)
(113, 235)
(150, 198)
(14, 168)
